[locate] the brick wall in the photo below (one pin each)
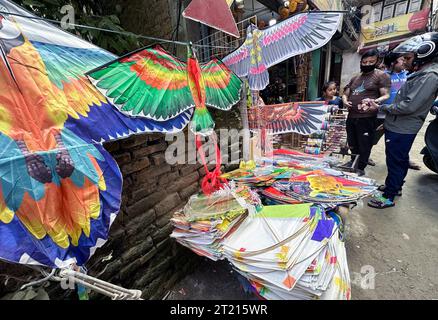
(139, 253)
(144, 257)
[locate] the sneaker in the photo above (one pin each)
(371, 162)
(382, 188)
(381, 202)
(360, 172)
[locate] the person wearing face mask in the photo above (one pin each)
(373, 84)
(406, 115)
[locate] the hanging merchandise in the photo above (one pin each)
(298, 6)
(296, 35)
(300, 117)
(60, 190)
(213, 13)
(151, 83)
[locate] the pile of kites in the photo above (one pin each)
(205, 221)
(290, 252)
(289, 243)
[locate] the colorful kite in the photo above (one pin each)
(60, 189)
(262, 49)
(300, 117)
(213, 13)
(153, 84)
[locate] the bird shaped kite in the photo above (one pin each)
(60, 190)
(151, 83)
(300, 117)
(296, 35)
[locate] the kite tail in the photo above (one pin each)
(202, 122)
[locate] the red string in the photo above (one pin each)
(212, 180)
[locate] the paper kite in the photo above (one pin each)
(296, 35)
(213, 13)
(300, 117)
(153, 84)
(60, 189)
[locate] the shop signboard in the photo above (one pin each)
(394, 27)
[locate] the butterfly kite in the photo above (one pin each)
(60, 190)
(296, 35)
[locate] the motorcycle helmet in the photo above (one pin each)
(390, 58)
(425, 47)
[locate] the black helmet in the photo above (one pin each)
(425, 47)
(390, 58)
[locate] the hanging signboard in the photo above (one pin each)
(394, 27)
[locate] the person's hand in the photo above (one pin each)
(365, 107)
(373, 104)
(348, 104)
(379, 128)
(369, 105)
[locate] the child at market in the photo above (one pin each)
(329, 91)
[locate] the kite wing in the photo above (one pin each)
(149, 83)
(60, 190)
(296, 35)
(239, 60)
(301, 117)
(222, 85)
(299, 34)
(222, 19)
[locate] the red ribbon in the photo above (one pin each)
(212, 180)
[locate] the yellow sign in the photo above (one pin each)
(391, 28)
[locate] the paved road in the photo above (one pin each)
(399, 244)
